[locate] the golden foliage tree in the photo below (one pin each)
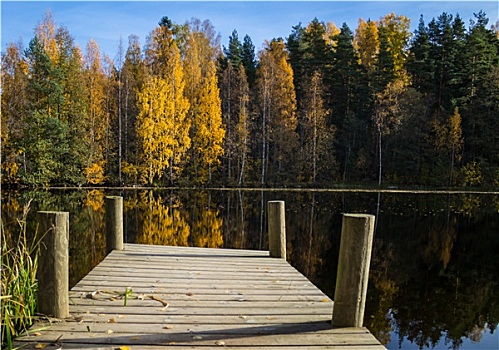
(46, 33)
(14, 76)
(366, 43)
(205, 110)
(397, 30)
(162, 126)
(208, 131)
(277, 102)
(98, 118)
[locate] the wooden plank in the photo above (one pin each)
(207, 339)
(216, 298)
(227, 296)
(201, 319)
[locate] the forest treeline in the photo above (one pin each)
(324, 106)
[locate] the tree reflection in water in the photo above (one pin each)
(434, 269)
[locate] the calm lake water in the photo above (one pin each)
(434, 279)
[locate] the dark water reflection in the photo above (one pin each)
(434, 272)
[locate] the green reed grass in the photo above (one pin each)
(19, 284)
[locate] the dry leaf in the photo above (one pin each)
(121, 316)
(101, 314)
(168, 327)
(111, 320)
(40, 346)
(37, 334)
(325, 300)
(189, 294)
(220, 343)
(109, 331)
(124, 347)
(165, 303)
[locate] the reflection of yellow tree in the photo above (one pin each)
(12, 211)
(88, 246)
(441, 242)
(379, 323)
(207, 229)
(162, 225)
(469, 204)
(95, 201)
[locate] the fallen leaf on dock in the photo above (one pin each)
(197, 337)
(165, 303)
(40, 346)
(37, 334)
(109, 331)
(124, 347)
(220, 343)
(111, 320)
(168, 327)
(189, 294)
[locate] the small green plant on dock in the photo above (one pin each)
(19, 284)
(128, 294)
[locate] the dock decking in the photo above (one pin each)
(196, 298)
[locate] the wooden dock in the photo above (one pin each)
(196, 298)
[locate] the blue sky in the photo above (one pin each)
(107, 21)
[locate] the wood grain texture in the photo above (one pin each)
(216, 298)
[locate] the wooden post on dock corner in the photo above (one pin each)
(277, 229)
(114, 223)
(53, 264)
(357, 234)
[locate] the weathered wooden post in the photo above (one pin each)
(114, 223)
(357, 234)
(53, 264)
(277, 229)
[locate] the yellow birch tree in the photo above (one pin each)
(162, 125)
(208, 131)
(366, 43)
(277, 102)
(98, 122)
(205, 110)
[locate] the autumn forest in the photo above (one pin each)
(325, 106)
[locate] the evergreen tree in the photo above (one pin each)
(234, 53)
(43, 141)
(420, 63)
(248, 60)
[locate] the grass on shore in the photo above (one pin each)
(19, 284)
